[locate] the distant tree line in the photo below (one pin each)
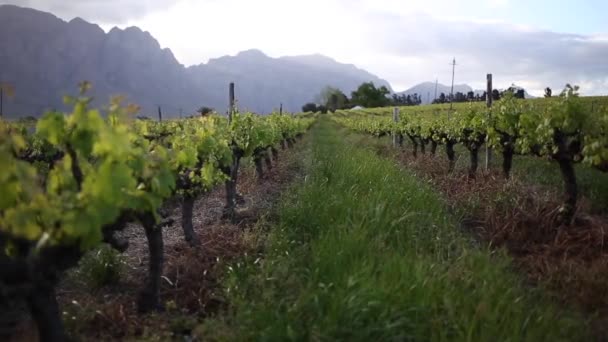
(367, 95)
(470, 96)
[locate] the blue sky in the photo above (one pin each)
(582, 17)
(534, 43)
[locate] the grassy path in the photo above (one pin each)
(363, 251)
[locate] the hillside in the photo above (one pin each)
(44, 58)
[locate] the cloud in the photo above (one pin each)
(403, 44)
(98, 11)
(423, 44)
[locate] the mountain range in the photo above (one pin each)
(44, 58)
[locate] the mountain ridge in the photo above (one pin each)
(45, 57)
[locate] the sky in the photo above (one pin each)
(533, 43)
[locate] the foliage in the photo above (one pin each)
(406, 100)
(309, 107)
(567, 129)
(204, 111)
(367, 95)
(76, 178)
(103, 266)
(332, 98)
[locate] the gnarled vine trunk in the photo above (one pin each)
(45, 312)
(275, 153)
(187, 225)
(149, 297)
(507, 160)
(231, 192)
(414, 145)
(257, 160)
(565, 156)
(433, 147)
(267, 159)
(449, 150)
(474, 154)
(570, 189)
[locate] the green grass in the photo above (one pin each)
(365, 252)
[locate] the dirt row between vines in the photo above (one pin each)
(570, 261)
(190, 284)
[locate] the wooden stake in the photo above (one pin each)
(395, 119)
(489, 105)
(231, 101)
(160, 114)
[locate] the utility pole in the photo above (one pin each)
(281, 109)
(160, 114)
(452, 89)
(436, 81)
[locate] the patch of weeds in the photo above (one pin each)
(102, 267)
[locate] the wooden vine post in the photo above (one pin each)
(231, 101)
(489, 105)
(160, 114)
(396, 136)
(233, 170)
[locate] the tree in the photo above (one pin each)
(471, 96)
(332, 98)
(406, 100)
(367, 95)
(460, 97)
(204, 111)
(416, 99)
(398, 100)
(309, 107)
(548, 92)
(495, 95)
(518, 93)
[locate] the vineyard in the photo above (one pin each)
(80, 178)
(568, 130)
(370, 242)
